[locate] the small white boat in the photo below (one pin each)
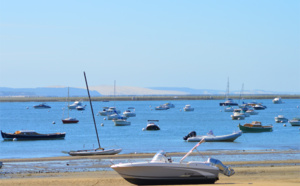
(113, 116)
(162, 107)
(109, 111)
(295, 121)
(238, 116)
(277, 100)
(241, 111)
(121, 122)
(188, 108)
(169, 105)
(128, 113)
(210, 137)
(81, 107)
(228, 109)
(251, 112)
(281, 119)
(162, 170)
(75, 104)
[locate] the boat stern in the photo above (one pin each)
(226, 170)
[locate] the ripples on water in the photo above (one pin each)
(174, 124)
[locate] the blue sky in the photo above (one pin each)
(165, 43)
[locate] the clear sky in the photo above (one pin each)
(164, 43)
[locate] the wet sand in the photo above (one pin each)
(285, 172)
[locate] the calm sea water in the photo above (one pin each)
(174, 124)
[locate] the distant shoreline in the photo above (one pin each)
(145, 98)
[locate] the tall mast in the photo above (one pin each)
(68, 102)
(87, 87)
(242, 90)
(114, 93)
(227, 92)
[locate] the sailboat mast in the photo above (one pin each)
(68, 103)
(87, 87)
(227, 92)
(114, 93)
(241, 92)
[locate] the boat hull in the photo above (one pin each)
(255, 129)
(229, 104)
(224, 138)
(9, 136)
(160, 174)
(93, 152)
(295, 123)
(69, 121)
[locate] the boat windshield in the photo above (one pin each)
(160, 157)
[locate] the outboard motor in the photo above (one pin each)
(191, 134)
(223, 168)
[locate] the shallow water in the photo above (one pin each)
(174, 124)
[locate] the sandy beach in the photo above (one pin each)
(285, 172)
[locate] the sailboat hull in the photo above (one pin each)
(229, 104)
(93, 152)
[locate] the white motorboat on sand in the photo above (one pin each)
(161, 170)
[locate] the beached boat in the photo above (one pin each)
(31, 135)
(99, 150)
(41, 106)
(188, 108)
(92, 152)
(152, 125)
(281, 119)
(277, 100)
(295, 121)
(255, 126)
(210, 137)
(162, 170)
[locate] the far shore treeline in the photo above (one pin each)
(145, 98)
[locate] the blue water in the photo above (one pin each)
(174, 124)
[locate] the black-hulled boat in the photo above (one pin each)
(41, 106)
(31, 135)
(152, 125)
